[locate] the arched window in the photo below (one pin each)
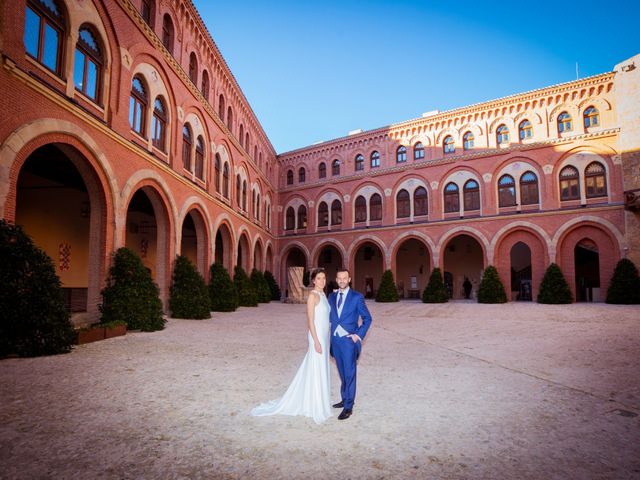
(420, 202)
(193, 68)
(246, 142)
(468, 141)
(221, 107)
(528, 189)
(138, 106)
(200, 158)
(244, 195)
(595, 180)
(167, 33)
(88, 65)
(217, 173)
(302, 217)
(44, 33)
(255, 155)
(448, 144)
(187, 141)
(335, 167)
(257, 207)
(205, 85)
(323, 214)
(591, 117)
(361, 209)
(253, 201)
(401, 154)
(506, 191)
(336, 212)
(375, 207)
(418, 151)
(159, 124)
(239, 190)
(569, 183)
(525, 130)
(147, 12)
(302, 175)
(241, 136)
(403, 204)
(451, 198)
(564, 122)
(290, 222)
(289, 177)
(471, 195)
(375, 159)
(225, 180)
(359, 162)
(502, 135)
(322, 170)
(230, 119)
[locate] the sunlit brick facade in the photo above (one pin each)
(122, 125)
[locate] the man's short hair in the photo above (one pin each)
(344, 270)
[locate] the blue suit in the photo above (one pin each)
(343, 349)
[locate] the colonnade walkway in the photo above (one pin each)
(453, 391)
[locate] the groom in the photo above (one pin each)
(346, 337)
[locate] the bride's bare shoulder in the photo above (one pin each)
(315, 299)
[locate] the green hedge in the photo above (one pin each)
(554, 289)
(435, 291)
(247, 296)
(188, 296)
(625, 284)
(273, 285)
(387, 292)
(222, 291)
(260, 286)
(491, 289)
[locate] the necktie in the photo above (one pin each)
(340, 300)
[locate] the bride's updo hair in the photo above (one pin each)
(315, 273)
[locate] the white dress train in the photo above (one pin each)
(309, 394)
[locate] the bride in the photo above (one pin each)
(309, 393)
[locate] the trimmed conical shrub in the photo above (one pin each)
(247, 296)
(435, 291)
(273, 285)
(261, 286)
(554, 289)
(188, 296)
(387, 292)
(491, 289)
(625, 284)
(33, 317)
(131, 295)
(222, 291)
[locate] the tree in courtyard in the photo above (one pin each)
(387, 292)
(491, 289)
(188, 296)
(554, 289)
(222, 291)
(261, 286)
(131, 295)
(34, 319)
(247, 296)
(273, 285)
(625, 284)
(435, 291)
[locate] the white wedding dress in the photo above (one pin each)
(309, 394)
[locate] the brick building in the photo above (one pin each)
(123, 126)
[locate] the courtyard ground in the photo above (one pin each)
(453, 391)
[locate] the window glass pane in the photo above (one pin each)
(92, 80)
(50, 57)
(132, 106)
(31, 32)
(78, 70)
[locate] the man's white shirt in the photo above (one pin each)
(339, 331)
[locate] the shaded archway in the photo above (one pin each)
(223, 247)
(268, 264)
(61, 204)
(257, 256)
(587, 268)
(413, 266)
(243, 258)
(194, 240)
(330, 258)
(463, 258)
(521, 272)
(368, 265)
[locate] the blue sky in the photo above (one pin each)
(312, 71)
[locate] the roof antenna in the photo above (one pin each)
(577, 74)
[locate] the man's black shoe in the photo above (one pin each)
(338, 405)
(346, 413)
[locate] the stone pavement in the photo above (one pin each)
(453, 391)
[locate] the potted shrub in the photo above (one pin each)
(387, 292)
(491, 289)
(435, 291)
(116, 328)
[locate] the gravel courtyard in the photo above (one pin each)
(453, 391)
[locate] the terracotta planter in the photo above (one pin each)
(116, 331)
(92, 335)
